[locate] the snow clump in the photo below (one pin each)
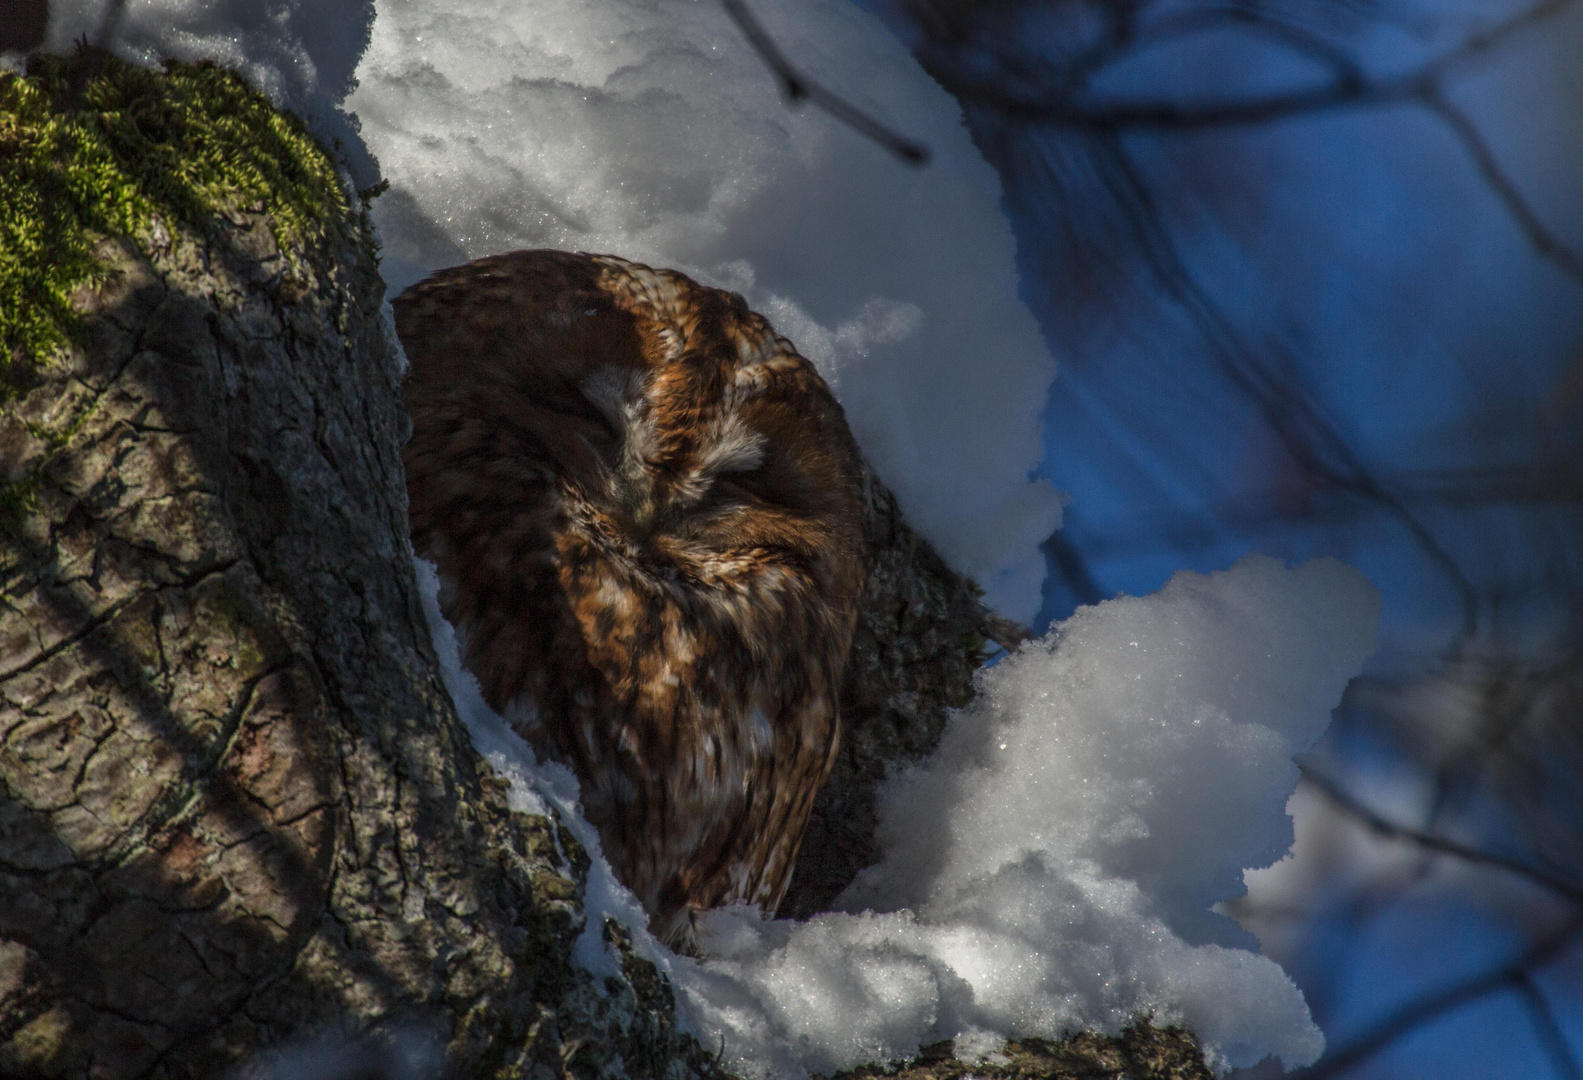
(1051, 867)
(652, 131)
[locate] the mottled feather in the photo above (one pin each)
(644, 506)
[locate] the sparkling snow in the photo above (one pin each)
(1051, 867)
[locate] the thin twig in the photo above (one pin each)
(1550, 1034)
(1472, 140)
(1343, 798)
(798, 87)
(1426, 1008)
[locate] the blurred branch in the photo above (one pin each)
(1492, 485)
(1296, 39)
(1511, 976)
(1337, 794)
(1543, 241)
(1073, 568)
(798, 88)
(1550, 1033)
(1347, 87)
(1260, 511)
(1311, 440)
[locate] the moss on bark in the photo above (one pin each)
(93, 147)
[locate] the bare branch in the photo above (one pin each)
(798, 88)
(1385, 827)
(1550, 1033)
(1492, 485)
(1346, 89)
(1543, 241)
(1432, 1005)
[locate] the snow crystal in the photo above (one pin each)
(652, 131)
(1051, 866)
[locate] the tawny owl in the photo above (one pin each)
(645, 510)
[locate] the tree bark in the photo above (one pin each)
(238, 804)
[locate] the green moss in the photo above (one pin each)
(91, 146)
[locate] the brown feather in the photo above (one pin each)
(644, 506)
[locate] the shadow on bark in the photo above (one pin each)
(239, 806)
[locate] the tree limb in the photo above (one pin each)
(1430, 1006)
(798, 88)
(1376, 822)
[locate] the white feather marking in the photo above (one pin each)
(735, 447)
(617, 392)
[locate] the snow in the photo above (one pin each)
(1052, 866)
(651, 131)
(301, 53)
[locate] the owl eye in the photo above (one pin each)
(773, 483)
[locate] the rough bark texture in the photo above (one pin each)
(238, 805)
(1142, 1052)
(920, 636)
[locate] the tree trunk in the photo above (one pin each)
(238, 804)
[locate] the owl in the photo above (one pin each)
(645, 508)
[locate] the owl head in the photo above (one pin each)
(688, 427)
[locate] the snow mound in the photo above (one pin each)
(653, 132)
(1051, 867)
